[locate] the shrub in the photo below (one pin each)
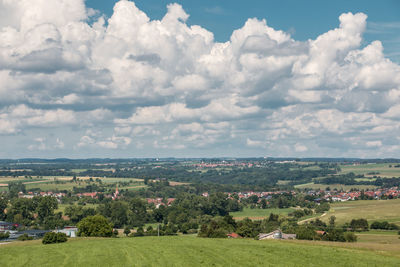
(24, 237)
(127, 231)
(306, 232)
(384, 225)
(4, 235)
(350, 237)
(322, 208)
(95, 225)
(139, 232)
(52, 238)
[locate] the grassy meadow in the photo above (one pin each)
(372, 210)
(382, 168)
(190, 251)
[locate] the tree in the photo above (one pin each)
(322, 208)
(119, 216)
(359, 225)
(46, 207)
(15, 188)
(332, 221)
(77, 213)
(263, 203)
(138, 213)
(350, 237)
(3, 206)
(96, 225)
(127, 231)
(21, 210)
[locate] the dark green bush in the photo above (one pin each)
(52, 238)
(350, 237)
(4, 235)
(24, 237)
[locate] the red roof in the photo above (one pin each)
(233, 235)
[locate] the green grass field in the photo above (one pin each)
(258, 214)
(54, 183)
(380, 210)
(383, 169)
(188, 251)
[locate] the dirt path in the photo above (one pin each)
(309, 219)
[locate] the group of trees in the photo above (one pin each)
(35, 211)
(384, 225)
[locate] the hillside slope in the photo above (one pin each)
(185, 251)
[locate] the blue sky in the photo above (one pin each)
(199, 78)
(303, 19)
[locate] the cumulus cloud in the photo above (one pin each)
(147, 86)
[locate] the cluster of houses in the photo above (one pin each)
(223, 164)
(113, 196)
(334, 195)
(393, 192)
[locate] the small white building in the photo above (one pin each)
(70, 231)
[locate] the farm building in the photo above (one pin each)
(277, 234)
(70, 231)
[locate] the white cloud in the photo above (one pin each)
(133, 82)
(374, 143)
(300, 148)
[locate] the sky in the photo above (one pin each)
(209, 78)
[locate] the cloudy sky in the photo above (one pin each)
(158, 78)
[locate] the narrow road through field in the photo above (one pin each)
(309, 219)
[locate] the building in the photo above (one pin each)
(7, 226)
(277, 234)
(32, 233)
(70, 231)
(233, 235)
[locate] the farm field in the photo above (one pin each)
(258, 214)
(190, 251)
(383, 169)
(54, 183)
(382, 210)
(333, 186)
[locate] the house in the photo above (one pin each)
(233, 235)
(321, 233)
(7, 226)
(277, 234)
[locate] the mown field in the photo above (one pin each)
(189, 251)
(382, 168)
(380, 210)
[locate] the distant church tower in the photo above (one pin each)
(116, 192)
